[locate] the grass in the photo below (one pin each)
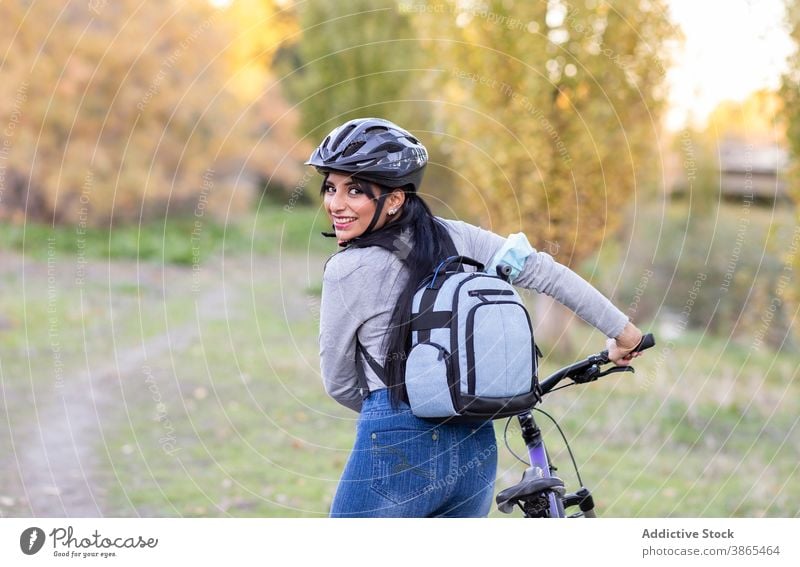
(181, 241)
(235, 422)
(697, 434)
(256, 436)
(260, 438)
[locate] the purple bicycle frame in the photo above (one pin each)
(538, 458)
(587, 370)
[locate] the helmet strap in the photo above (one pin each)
(378, 208)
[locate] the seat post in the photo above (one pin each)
(531, 433)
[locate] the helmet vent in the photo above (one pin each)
(342, 135)
(374, 128)
(352, 148)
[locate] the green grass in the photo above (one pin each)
(179, 240)
(705, 432)
(256, 434)
(700, 435)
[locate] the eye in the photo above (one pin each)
(330, 189)
(355, 190)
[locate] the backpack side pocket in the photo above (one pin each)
(428, 381)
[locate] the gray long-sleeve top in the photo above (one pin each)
(361, 286)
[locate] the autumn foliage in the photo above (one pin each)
(117, 111)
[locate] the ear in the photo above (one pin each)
(396, 198)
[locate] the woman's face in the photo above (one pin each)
(350, 206)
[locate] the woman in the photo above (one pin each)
(403, 466)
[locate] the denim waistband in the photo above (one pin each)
(380, 401)
(378, 405)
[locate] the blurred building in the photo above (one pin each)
(753, 171)
(757, 171)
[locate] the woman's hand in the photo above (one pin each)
(619, 349)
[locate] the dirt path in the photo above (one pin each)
(55, 426)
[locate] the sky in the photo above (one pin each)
(732, 48)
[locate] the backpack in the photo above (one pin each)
(472, 355)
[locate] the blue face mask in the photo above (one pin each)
(513, 254)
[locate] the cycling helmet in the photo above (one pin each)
(375, 150)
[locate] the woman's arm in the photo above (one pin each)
(339, 322)
(543, 274)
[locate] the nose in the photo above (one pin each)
(337, 201)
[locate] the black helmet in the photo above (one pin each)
(375, 150)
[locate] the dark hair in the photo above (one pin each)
(421, 242)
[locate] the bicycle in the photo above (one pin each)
(541, 494)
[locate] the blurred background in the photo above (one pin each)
(161, 257)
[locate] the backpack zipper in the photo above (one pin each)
(482, 293)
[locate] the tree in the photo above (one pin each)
(121, 111)
(757, 119)
(356, 58)
(557, 112)
(257, 30)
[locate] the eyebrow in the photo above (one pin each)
(349, 183)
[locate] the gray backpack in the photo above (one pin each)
(472, 353)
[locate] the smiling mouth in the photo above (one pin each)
(343, 222)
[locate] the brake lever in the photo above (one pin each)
(593, 373)
(614, 369)
(589, 375)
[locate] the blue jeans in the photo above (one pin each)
(403, 466)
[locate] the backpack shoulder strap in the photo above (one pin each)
(373, 364)
(422, 320)
(450, 250)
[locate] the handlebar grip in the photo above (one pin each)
(647, 341)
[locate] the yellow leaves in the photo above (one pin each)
(259, 28)
(564, 131)
(582, 91)
(140, 99)
(562, 100)
(758, 118)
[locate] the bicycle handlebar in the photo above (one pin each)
(591, 363)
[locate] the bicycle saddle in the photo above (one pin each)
(531, 484)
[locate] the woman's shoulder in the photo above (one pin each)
(466, 230)
(451, 224)
(458, 227)
(369, 260)
(472, 240)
